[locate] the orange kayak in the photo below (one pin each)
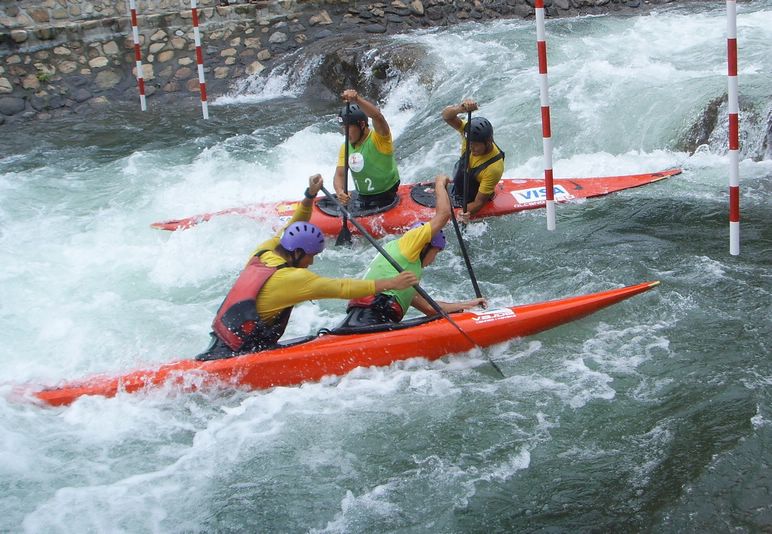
(511, 195)
(337, 354)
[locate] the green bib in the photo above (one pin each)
(373, 171)
(381, 268)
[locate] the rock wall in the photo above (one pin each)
(63, 56)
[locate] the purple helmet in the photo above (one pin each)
(438, 241)
(304, 236)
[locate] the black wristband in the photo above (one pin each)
(308, 195)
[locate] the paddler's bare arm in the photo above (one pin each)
(303, 212)
(450, 113)
(424, 307)
(315, 184)
(403, 280)
(339, 184)
(371, 110)
(473, 207)
(442, 203)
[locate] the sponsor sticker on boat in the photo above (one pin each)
(539, 194)
(488, 316)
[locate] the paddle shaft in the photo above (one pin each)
(399, 269)
(464, 253)
(344, 237)
(461, 244)
(467, 163)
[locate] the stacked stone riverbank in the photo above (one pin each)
(64, 56)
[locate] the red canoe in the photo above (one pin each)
(512, 194)
(334, 354)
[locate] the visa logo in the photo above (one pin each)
(539, 194)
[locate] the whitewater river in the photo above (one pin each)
(650, 416)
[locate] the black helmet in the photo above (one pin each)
(480, 130)
(355, 115)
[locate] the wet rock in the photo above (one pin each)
(77, 81)
(375, 28)
(98, 62)
(38, 102)
(110, 48)
(10, 105)
(434, 13)
(107, 79)
(417, 8)
(322, 18)
(255, 68)
(30, 82)
(699, 133)
(165, 56)
(323, 34)
(171, 87)
(155, 48)
(19, 36)
(193, 86)
(183, 74)
(81, 95)
(348, 62)
(277, 38)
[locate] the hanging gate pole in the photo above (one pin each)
(734, 128)
(137, 55)
(199, 60)
(546, 130)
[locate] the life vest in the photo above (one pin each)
(237, 322)
(373, 172)
(386, 306)
(474, 172)
(381, 268)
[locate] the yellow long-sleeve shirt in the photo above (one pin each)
(289, 286)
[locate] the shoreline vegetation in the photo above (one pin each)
(76, 56)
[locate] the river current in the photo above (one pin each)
(654, 415)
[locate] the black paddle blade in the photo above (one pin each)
(344, 237)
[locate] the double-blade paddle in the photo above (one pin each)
(433, 303)
(344, 237)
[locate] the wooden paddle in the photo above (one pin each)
(344, 237)
(433, 303)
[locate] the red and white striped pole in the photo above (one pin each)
(137, 55)
(199, 60)
(734, 128)
(546, 130)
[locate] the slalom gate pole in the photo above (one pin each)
(199, 60)
(734, 128)
(137, 55)
(546, 130)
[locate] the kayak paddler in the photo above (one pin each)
(414, 250)
(486, 160)
(256, 310)
(370, 154)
